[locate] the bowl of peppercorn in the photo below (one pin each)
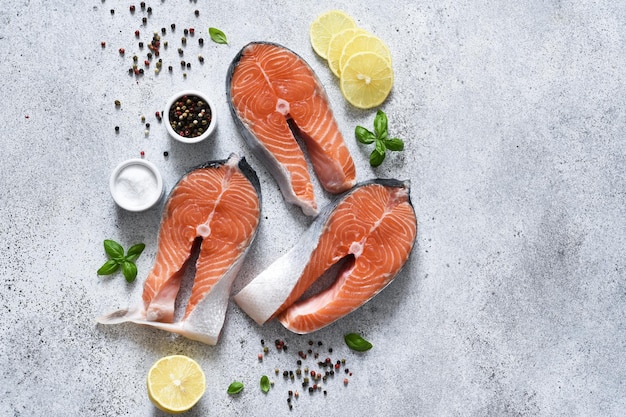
(190, 116)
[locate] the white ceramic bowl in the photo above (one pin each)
(193, 139)
(136, 185)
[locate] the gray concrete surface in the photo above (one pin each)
(513, 301)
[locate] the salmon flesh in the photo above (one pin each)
(273, 93)
(368, 232)
(219, 205)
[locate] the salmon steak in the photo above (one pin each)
(273, 93)
(364, 237)
(213, 210)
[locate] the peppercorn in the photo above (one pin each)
(142, 153)
(141, 71)
(117, 129)
(201, 41)
(183, 40)
(143, 5)
(103, 44)
(192, 31)
(141, 44)
(147, 125)
(118, 103)
(180, 51)
(112, 11)
(182, 64)
(200, 58)
(149, 10)
(169, 68)
(166, 154)
(132, 8)
(173, 26)
(137, 33)
(144, 20)
(188, 64)
(149, 55)
(163, 30)
(122, 51)
(146, 63)
(196, 12)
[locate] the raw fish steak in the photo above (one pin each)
(218, 206)
(368, 233)
(272, 93)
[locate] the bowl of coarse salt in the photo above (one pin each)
(136, 185)
(190, 116)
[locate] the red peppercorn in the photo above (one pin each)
(146, 63)
(192, 30)
(132, 8)
(142, 153)
(122, 51)
(137, 33)
(345, 381)
(260, 356)
(103, 44)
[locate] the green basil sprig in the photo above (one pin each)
(379, 137)
(217, 36)
(356, 342)
(235, 388)
(118, 259)
(265, 383)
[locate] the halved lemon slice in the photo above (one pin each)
(336, 44)
(325, 26)
(363, 42)
(366, 80)
(175, 383)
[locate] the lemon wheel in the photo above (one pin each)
(363, 42)
(325, 26)
(336, 45)
(366, 79)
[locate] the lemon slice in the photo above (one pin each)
(363, 42)
(335, 47)
(366, 79)
(175, 383)
(325, 26)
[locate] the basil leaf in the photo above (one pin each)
(356, 342)
(376, 158)
(129, 270)
(235, 388)
(380, 125)
(134, 252)
(363, 135)
(109, 267)
(394, 144)
(217, 36)
(113, 249)
(265, 383)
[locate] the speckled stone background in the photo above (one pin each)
(513, 302)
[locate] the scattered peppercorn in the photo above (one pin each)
(141, 44)
(173, 26)
(142, 153)
(144, 20)
(183, 40)
(117, 129)
(132, 8)
(103, 44)
(196, 12)
(200, 58)
(137, 33)
(166, 154)
(169, 68)
(188, 64)
(201, 41)
(118, 103)
(112, 11)
(122, 51)
(149, 10)
(143, 5)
